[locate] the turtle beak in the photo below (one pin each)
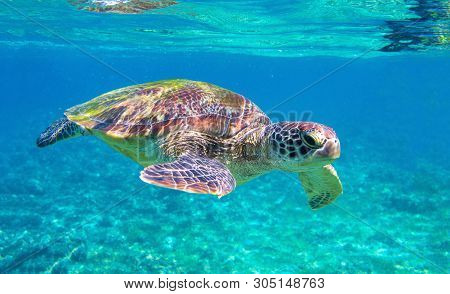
(331, 150)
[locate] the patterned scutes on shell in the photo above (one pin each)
(159, 108)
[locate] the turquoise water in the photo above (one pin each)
(79, 207)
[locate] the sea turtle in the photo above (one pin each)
(200, 138)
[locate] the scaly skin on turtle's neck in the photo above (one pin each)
(249, 154)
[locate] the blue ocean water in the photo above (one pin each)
(79, 206)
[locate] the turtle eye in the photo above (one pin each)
(312, 139)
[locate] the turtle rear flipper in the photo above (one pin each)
(322, 186)
(59, 130)
(193, 174)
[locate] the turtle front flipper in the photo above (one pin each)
(193, 174)
(59, 130)
(322, 186)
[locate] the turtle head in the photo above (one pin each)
(297, 146)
